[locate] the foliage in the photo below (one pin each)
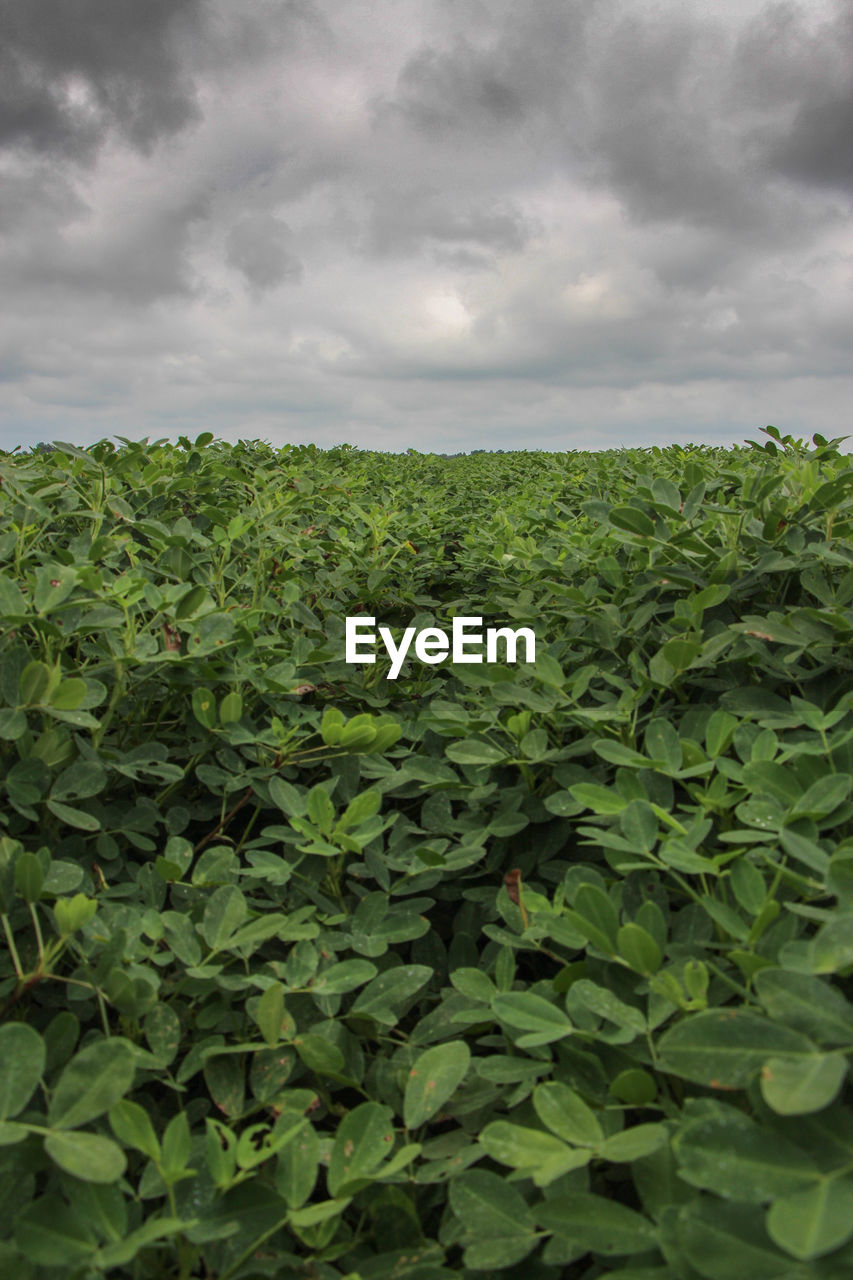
(536, 971)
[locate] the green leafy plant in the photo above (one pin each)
(540, 970)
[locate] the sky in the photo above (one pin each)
(432, 224)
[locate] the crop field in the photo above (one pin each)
(536, 966)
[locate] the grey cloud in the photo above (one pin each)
(799, 73)
(259, 247)
(138, 261)
(528, 67)
(680, 117)
(412, 218)
(251, 34)
(658, 135)
(819, 148)
(73, 69)
(787, 55)
(438, 93)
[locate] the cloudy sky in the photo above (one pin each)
(440, 224)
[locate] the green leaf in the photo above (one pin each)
(331, 726)
(635, 1087)
(79, 781)
(74, 817)
(618, 753)
(163, 1032)
(594, 905)
(176, 1147)
(636, 946)
(631, 520)
(286, 797)
(814, 1221)
(35, 681)
(726, 1241)
(231, 708)
(320, 1055)
(596, 1223)
(823, 796)
(474, 984)
(718, 732)
(92, 1082)
(679, 653)
(597, 798)
(470, 751)
(22, 1060)
(69, 694)
(50, 1234)
(29, 877)
(796, 1087)
(359, 732)
(321, 811)
(13, 723)
(12, 601)
(225, 1078)
(297, 1165)
(204, 707)
(602, 1001)
(636, 1143)
(73, 913)
(131, 1125)
(210, 634)
(225, 912)
(382, 997)
(807, 1004)
(562, 804)
(538, 1153)
(727, 1152)
(549, 671)
(11, 1133)
(639, 825)
(364, 1138)
(498, 1226)
(269, 1013)
(725, 1048)
(832, 946)
(122, 1252)
(566, 1114)
(86, 1155)
(364, 806)
(433, 1078)
(343, 977)
(662, 743)
(805, 851)
(529, 1012)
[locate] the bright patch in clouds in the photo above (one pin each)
(447, 314)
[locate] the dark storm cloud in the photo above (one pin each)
(438, 93)
(529, 64)
(71, 70)
(660, 135)
(805, 72)
(134, 261)
(819, 148)
(680, 117)
(259, 247)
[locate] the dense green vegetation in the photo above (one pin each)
(536, 970)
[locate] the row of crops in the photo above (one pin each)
(535, 970)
